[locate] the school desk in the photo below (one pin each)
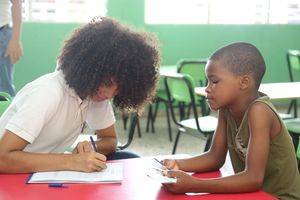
(136, 185)
(286, 90)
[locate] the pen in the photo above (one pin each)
(160, 162)
(93, 144)
(57, 185)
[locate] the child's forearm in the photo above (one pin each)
(107, 145)
(202, 163)
(25, 162)
(241, 182)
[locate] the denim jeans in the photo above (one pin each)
(6, 67)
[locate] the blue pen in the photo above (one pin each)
(57, 185)
(160, 162)
(93, 144)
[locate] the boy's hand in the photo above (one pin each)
(171, 164)
(185, 182)
(83, 147)
(89, 162)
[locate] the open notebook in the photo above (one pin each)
(112, 174)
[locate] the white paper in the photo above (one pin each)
(157, 175)
(112, 174)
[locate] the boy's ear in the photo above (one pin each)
(245, 81)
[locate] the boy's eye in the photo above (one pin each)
(214, 81)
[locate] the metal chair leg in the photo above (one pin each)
(169, 123)
(149, 118)
(176, 141)
(125, 119)
(208, 142)
(139, 127)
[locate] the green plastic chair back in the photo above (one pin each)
(196, 69)
(5, 100)
(293, 60)
(161, 90)
(293, 125)
(180, 86)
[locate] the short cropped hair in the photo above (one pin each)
(241, 58)
(105, 52)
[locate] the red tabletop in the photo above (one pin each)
(136, 185)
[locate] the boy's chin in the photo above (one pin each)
(214, 107)
(97, 99)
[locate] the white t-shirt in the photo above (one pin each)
(49, 115)
(5, 12)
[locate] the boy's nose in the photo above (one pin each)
(207, 89)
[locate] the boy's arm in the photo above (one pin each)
(107, 140)
(260, 119)
(215, 157)
(14, 160)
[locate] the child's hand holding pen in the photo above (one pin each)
(86, 157)
(170, 164)
(166, 165)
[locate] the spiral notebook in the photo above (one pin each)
(112, 174)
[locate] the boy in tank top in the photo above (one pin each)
(259, 145)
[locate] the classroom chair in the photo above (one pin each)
(293, 126)
(180, 88)
(293, 61)
(5, 100)
(125, 116)
(133, 123)
(160, 98)
(196, 69)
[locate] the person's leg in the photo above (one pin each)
(6, 67)
(122, 155)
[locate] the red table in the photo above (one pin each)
(136, 185)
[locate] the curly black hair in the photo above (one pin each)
(105, 50)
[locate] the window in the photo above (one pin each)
(63, 10)
(176, 11)
(222, 12)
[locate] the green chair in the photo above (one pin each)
(196, 69)
(160, 98)
(180, 88)
(293, 60)
(133, 123)
(5, 100)
(293, 125)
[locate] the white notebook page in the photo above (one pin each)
(112, 174)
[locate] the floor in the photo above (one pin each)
(158, 143)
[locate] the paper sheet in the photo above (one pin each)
(112, 174)
(157, 175)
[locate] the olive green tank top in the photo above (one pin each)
(282, 178)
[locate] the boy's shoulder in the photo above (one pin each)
(264, 113)
(51, 84)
